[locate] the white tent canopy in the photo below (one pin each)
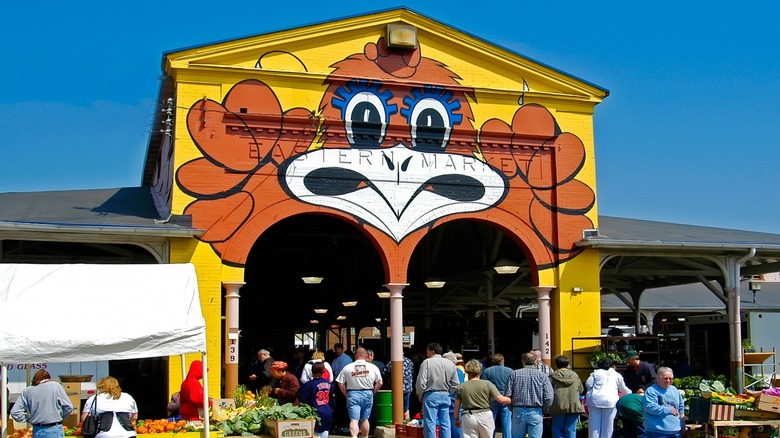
(77, 312)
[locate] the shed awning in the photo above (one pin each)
(79, 312)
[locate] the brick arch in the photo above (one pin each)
(240, 245)
(521, 233)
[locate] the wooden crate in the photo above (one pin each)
(769, 403)
(753, 414)
(290, 428)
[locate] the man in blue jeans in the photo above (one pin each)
(499, 374)
(532, 393)
(437, 378)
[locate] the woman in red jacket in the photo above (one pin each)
(191, 394)
(287, 385)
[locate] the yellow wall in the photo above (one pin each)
(495, 76)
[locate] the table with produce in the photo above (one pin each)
(251, 415)
(748, 415)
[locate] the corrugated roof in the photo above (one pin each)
(613, 229)
(102, 210)
(695, 297)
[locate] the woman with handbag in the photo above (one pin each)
(116, 411)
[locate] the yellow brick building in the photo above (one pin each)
(395, 124)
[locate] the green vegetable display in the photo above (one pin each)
(252, 422)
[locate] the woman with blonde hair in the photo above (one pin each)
(116, 410)
(316, 357)
(473, 407)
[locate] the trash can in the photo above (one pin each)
(383, 407)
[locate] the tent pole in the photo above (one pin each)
(183, 366)
(206, 426)
(4, 392)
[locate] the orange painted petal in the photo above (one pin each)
(558, 231)
(575, 197)
(202, 177)
(231, 146)
(571, 227)
(569, 155)
(534, 120)
(253, 97)
(220, 217)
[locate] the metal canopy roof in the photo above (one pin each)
(637, 255)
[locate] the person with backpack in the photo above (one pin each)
(317, 357)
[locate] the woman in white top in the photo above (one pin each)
(317, 356)
(116, 410)
(605, 385)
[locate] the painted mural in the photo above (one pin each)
(392, 144)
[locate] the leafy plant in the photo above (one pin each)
(252, 422)
(730, 431)
(598, 355)
(288, 411)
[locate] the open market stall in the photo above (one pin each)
(129, 312)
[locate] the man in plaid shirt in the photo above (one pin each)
(532, 393)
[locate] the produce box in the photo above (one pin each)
(755, 415)
(417, 431)
(720, 412)
(290, 428)
(769, 403)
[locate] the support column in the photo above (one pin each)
(397, 349)
(490, 316)
(545, 337)
(732, 275)
(231, 336)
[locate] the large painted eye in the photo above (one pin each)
(431, 114)
(365, 111)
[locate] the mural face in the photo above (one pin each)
(392, 144)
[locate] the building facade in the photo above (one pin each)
(395, 124)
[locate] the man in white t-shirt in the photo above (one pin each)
(359, 381)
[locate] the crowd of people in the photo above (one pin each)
(455, 399)
(473, 400)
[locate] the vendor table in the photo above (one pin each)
(740, 423)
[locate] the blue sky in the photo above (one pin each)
(686, 135)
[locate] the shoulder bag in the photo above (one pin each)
(89, 428)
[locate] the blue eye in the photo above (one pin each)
(431, 113)
(365, 110)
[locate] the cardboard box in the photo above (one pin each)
(720, 412)
(220, 404)
(755, 415)
(290, 428)
(769, 403)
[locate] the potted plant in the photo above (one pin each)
(747, 346)
(596, 357)
(617, 358)
(728, 431)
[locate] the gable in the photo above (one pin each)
(309, 51)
